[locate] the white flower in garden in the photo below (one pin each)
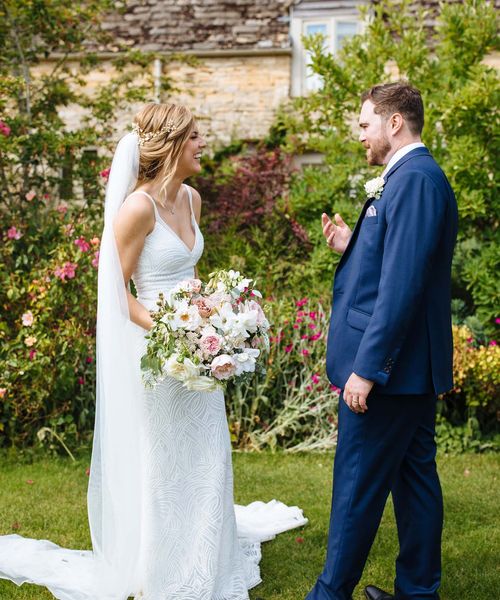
(28, 319)
(245, 361)
(223, 367)
(374, 187)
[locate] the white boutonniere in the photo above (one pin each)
(374, 188)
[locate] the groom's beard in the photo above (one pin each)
(377, 151)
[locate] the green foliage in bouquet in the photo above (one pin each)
(461, 94)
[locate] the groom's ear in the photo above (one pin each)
(396, 123)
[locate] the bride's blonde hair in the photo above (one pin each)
(163, 131)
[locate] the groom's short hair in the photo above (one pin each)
(399, 97)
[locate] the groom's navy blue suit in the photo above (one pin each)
(391, 324)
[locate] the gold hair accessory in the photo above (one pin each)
(151, 135)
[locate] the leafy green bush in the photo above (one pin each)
(461, 95)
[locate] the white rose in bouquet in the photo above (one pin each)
(245, 361)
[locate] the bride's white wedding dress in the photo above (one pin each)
(194, 543)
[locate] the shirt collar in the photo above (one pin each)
(399, 155)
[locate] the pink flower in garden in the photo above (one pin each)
(105, 173)
(315, 378)
(69, 229)
(334, 388)
(305, 352)
(304, 337)
(32, 354)
(298, 320)
(46, 196)
(28, 319)
(30, 195)
(470, 340)
(67, 271)
(62, 208)
(223, 367)
(301, 303)
(4, 129)
(309, 388)
(289, 348)
(497, 320)
(89, 360)
(30, 341)
(82, 243)
(29, 481)
(95, 241)
(3, 391)
(312, 326)
(299, 540)
(493, 343)
(95, 260)
(301, 313)
(14, 234)
(210, 344)
(295, 326)
(81, 380)
(313, 315)
(315, 337)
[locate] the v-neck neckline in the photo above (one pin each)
(165, 224)
(162, 221)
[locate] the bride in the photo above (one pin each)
(160, 495)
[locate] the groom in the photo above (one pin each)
(390, 351)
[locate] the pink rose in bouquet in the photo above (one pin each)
(223, 367)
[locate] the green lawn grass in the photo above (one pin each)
(53, 507)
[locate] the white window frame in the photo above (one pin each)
(300, 71)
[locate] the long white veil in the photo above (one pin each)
(114, 493)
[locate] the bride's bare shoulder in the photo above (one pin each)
(137, 209)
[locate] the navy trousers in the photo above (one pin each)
(390, 448)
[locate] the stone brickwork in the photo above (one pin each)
(165, 25)
(234, 97)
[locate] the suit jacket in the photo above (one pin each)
(391, 315)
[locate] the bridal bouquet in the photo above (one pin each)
(204, 335)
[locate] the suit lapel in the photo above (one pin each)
(422, 151)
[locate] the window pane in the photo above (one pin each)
(313, 28)
(343, 30)
(313, 80)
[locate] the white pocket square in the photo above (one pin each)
(371, 211)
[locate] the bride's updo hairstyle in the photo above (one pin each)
(163, 131)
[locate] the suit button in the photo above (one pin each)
(387, 370)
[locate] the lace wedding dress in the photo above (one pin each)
(194, 543)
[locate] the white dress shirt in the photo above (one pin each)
(399, 155)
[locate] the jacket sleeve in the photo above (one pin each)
(415, 216)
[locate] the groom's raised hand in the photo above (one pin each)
(337, 234)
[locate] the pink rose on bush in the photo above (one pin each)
(67, 271)
(95, 260)
(105, 173)
(62, 208)
(3, 391)
(4, 129)
(223, 367)
(204, 306)
(82, 243)
(30, 195)
(28, 319)
(30, 341)
(210, 344)
(95, 241)
(32, 354)
(14, 234)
